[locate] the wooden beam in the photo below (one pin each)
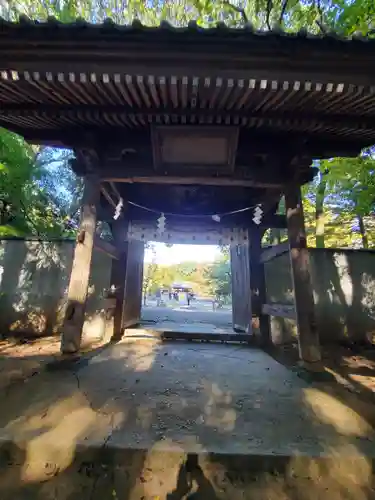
(258, 284)
(274, 221)
(115, 190)
(203, 181)
(141, 165)
(80, 274)
(316, 146)
(60, 110)
(107, 196)
(279, 310)
(266, 177)
(272, 252)
(308, 338)
(113, 200)
(240, 220)
(106, 247)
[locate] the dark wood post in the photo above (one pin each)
(258, 283)
(134, 280)
(80, 274)
(118, 276)
(308, 338)
(241, 298)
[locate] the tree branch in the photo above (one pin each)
(269, 8)
(320, 21)
(240, 10)
(283, 10)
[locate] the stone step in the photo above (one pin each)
(179, 334)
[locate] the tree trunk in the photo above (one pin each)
(362, 230)
(319, 212)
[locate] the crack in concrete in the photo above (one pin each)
(97, 411)
(95, 482)
(110, 433)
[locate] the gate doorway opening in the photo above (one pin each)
(187, 291)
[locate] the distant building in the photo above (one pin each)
(182, 288)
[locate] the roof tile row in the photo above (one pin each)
(221, 29)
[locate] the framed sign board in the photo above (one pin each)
(202, 150)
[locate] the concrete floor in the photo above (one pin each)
(181, 318)
(182, 397)
(188, 315)
(214, 397)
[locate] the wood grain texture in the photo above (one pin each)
(133, 287)
(279, 310)
(308, 338)
(118, 277)
(258, 284)
(80, 274)
(241, 299)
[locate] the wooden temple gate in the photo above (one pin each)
(201, 125)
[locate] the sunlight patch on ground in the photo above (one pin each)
(218, 411)
(364, 380)
(330, 410)
(51, 436)
(141, 356)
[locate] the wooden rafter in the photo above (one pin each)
(56, 111)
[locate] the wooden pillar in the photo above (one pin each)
(134, 279)
(308, 338)
(118, 276)
(241, 298)
(258, 283)
(80, 274)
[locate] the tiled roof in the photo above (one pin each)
(57, 78)
(108, 26)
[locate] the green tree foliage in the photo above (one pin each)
(218, 276)
(16, 178)
(43, 193)
(352, 182)
(339, 203)
(343, 16)
(39, 188)
(206, 279)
